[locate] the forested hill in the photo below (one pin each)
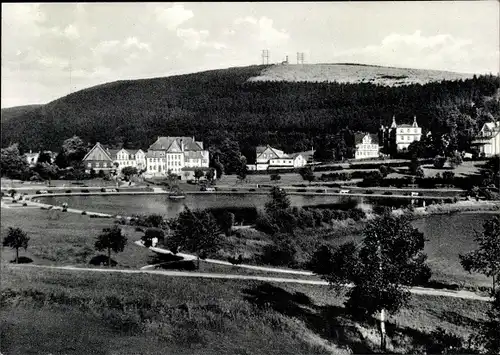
(217, 104)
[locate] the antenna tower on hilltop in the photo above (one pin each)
(265, 56)
(300, 57)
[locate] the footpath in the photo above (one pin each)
(415, 290)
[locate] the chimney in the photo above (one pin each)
(182, 145)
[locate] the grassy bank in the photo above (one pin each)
(48, 311)
(64, 238)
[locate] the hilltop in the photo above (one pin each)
(236, 103)
(355, 73)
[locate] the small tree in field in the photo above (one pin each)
(111, 239)
(210, 175)
(227, 222)
(196, 232)
(129, 171)
(278, 200)
(388, 263)
(198, 173)
(455, 159)
(307, 174)
(486, 258)
(439, 162)
(16, 238)
(275, 177)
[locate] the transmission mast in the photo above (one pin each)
(265, 56)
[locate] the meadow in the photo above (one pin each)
(68, 239)
(52, 311)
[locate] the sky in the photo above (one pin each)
(50, 50)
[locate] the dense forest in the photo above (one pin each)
(218, 104)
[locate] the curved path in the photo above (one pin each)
(221, 262)
(414, 290)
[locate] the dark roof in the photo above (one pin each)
(164, 143)
(260, 149)
(358, 137)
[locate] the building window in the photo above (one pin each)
(96, 165)
(104, 165)
(89, 165)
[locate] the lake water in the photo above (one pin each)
(148, 204)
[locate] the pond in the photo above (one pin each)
(148, 204)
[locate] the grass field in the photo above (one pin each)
(48, 311)
(66, 238)
(352, 73)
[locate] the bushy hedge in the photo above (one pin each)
(461, 182)
(327, 168)
(387, 163)
(245, 215)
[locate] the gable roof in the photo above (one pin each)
(164, 143)
(358, 137)
(493, 125)
(100, 146)
(279, 153)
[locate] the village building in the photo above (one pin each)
(367, 146)
(398, 137)
(102, 158)
(488, 140)
(32, 158)
(406, 134)
(178, 155)
(268, 157)
(130, 157)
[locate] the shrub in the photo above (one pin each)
(356, 214)
(188, 265)
(85, 190)
(251, 190)
(369, 192)
(448, 175)
(320, 191)
(65, 209)
(381, 210)
(301, 190)
(439, 162)
(68, 191)
(151, 233)
(388, 193)
(236, 260)
(234, 190)
(14, 201)
(25, 204)
(139, 229)
(281, 253)
(84, 213)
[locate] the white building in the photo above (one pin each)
(107, 160)
(130, 157)
(406, 134)
(32, 158)
(179, 155)
(272, 158)
(366, 146)
(488, 140)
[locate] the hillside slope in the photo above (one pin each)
(355, 73)
(217, 104)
